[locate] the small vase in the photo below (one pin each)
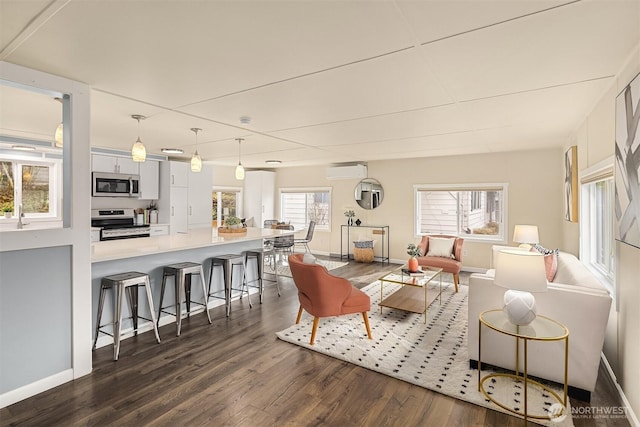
(358, 222)
(350, 221)
(8, 215)
(412, 265)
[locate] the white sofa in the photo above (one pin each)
(575, 298)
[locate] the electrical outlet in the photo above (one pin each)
(465, 252)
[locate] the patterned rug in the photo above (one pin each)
(283, 269)
(432, 355)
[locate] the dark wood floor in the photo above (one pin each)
(235, 372)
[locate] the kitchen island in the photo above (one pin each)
(150, 254)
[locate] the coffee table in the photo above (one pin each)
(412, 296)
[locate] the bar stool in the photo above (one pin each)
(259, 255)
(228, 262)
(120, 283)
(182, 273)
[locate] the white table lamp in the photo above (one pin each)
(526, 235)
(521, 272)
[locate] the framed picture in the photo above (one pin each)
(571, 184)
(627, 162)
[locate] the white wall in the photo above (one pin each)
(535, 195)
(20, 251)
(596, 141)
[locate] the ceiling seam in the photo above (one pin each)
(484, 27)
(539, 89)
(39, 20)
(442, 105)
(288, 79)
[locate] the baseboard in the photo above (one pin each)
(631, 416)
(29, 390)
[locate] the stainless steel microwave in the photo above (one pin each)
(115, 185)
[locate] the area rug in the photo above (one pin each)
(432, 355)
(283, 269)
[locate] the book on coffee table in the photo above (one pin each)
(412, 273)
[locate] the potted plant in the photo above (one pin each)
(8, 211)
(414, 251)
(232, 222)
(349, 214)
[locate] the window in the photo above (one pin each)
(29, 184)
(471, 211)
(299, 206)
(226, 202)
(597, 225)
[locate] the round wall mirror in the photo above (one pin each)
(369, 193)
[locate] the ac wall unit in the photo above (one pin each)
(347, 172)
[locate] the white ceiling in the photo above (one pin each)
(322, 81)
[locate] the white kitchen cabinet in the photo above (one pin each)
(179, 174)
(159, 230)
(178, 218)
(200, 202)
(185, 196)
(114, 164)
(149, 180)
(259, 196)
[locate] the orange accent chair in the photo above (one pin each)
(324, 295)
(449, 265)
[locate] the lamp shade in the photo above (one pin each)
(138, 152)
(526, 234)
(521, 270)
(58, 136)
(239, 172)
(196, 162)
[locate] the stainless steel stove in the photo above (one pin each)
(118, 224)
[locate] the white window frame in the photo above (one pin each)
(226, 189)
(601, 171)
(55, 184)
(501, 238)
(318, 227)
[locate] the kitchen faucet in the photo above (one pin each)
(20, 215)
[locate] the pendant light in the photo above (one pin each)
(196, 161)
(138, 152)
(58, 138)
(239, 168)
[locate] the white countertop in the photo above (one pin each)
(199, 238)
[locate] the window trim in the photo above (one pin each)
(55, 184)
(230, 189)
(600, 171)
(329, 190)
(500, 186)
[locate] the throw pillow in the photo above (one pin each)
(441, 247)
(550, 260)
(308, 258)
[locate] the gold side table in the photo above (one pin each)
(541, 329)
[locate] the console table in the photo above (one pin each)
(382, 230)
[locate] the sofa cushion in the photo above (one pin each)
(551, 265)
(571, 271)
(440, 247)
(550, 260)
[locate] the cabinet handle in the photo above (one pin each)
(172, 210)
(173, 179)
(190, 210)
